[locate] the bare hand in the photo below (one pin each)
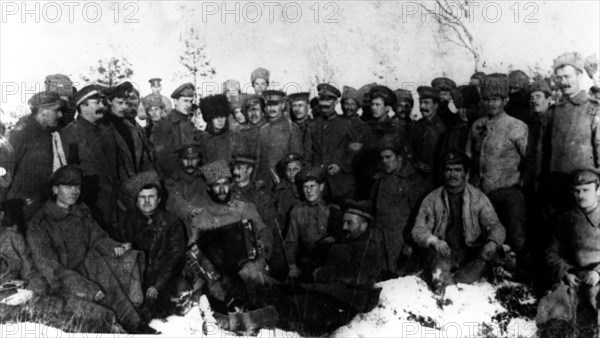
(122, 249)
(333, 169)
(151, 293)
(572, 280)
(294, 272)
(442, 248)
(99, 296)
(489, 250)
(590, 278)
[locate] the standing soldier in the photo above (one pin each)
(498, 144)
(350, 102)
(254, 108)
(89, 141)
(260, 80)
(518, 96)
(218, 142)
(446, 108)
(277, 138)
(34, 149)
(426, 133)
(570, 138)
(395, 193)
(63, 86)
(156, 87)
(174, 130)
(332, 142)
(403, 108)
(300, 108)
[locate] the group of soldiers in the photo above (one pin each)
(109, 214)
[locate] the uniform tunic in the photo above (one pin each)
(275, 140)
(217, 146)
(171, 132)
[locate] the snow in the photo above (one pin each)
(407, 308)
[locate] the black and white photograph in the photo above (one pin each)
(300, 168)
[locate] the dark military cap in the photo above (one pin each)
(443, 83)
(540, 86)
(189, 150)
(349, 93)
(186, 89)
(214, 106)
(466, 96)
(495, 85)
(291, 157)
(426, 92)
(478, 75)
(456, 157)
(388, 96)
(44, 99)
(155, 82)
(67, 175)
(244, 158)
(325, 89)
(273, 96)
(251, 100)
(404, 95)
(360, 208)
(303, 96)
(311, 173)
(86, 93)
(363, 92)
(123, 90)
(585, 176)
(518, 79)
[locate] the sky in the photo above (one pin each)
(288, 38)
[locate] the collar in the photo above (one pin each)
(176, 117)
(576, 100)
(85, 123)
(56, 213)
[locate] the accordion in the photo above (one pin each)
(227, 248)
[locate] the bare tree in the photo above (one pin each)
(453, 17)
(322, 64)
(109, 71)
(194, 58)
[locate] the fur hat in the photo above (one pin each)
(259, 73)
(571, 58)
(215, 171)
(214, 106)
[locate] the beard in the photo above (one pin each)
(220, 198)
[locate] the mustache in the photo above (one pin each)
(424, 110)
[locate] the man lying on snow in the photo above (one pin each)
(574, 260)
(458, 227)
(79, 259)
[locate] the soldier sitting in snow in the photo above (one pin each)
(458, 226)
(574, 260)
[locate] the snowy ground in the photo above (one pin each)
(406, 309)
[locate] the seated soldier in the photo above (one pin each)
(79, 259)
(458, 227)
(222, 210)
(14, 251)
(160, 235)
(313, 226)
(357, 260)
(573, 257)
(286, 191)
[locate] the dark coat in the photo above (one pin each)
(171, 132)
(424, 137)
(17, 255)
(98, 159)
(221, 146)
(286, 195)
(186, 193)
(29, 165)
(249, 139)
(395, 196)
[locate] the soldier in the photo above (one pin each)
(156, 87)
(90, 144)
(313, 228)
(186, 186)
(34, 150)
(458, 227)
(426, 133)
(403, 107)
(77, 258)
(498, 143)
(220, 210)
(477, 81)
(160, 235)
(247, 190)
(446, 108)
(174, 130)
(365, 101)
(155, 109)
(518, 96)
(300, 107)
(275, 139)
(286, 191)
(218, 142)
(574, 260)
(260, 80)
(395, 193)
(254, 108)
(232, 89)
(357, 259)
(350, 104)
(570, 137)
(332, 142)
(63, 86)
(237, 119)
